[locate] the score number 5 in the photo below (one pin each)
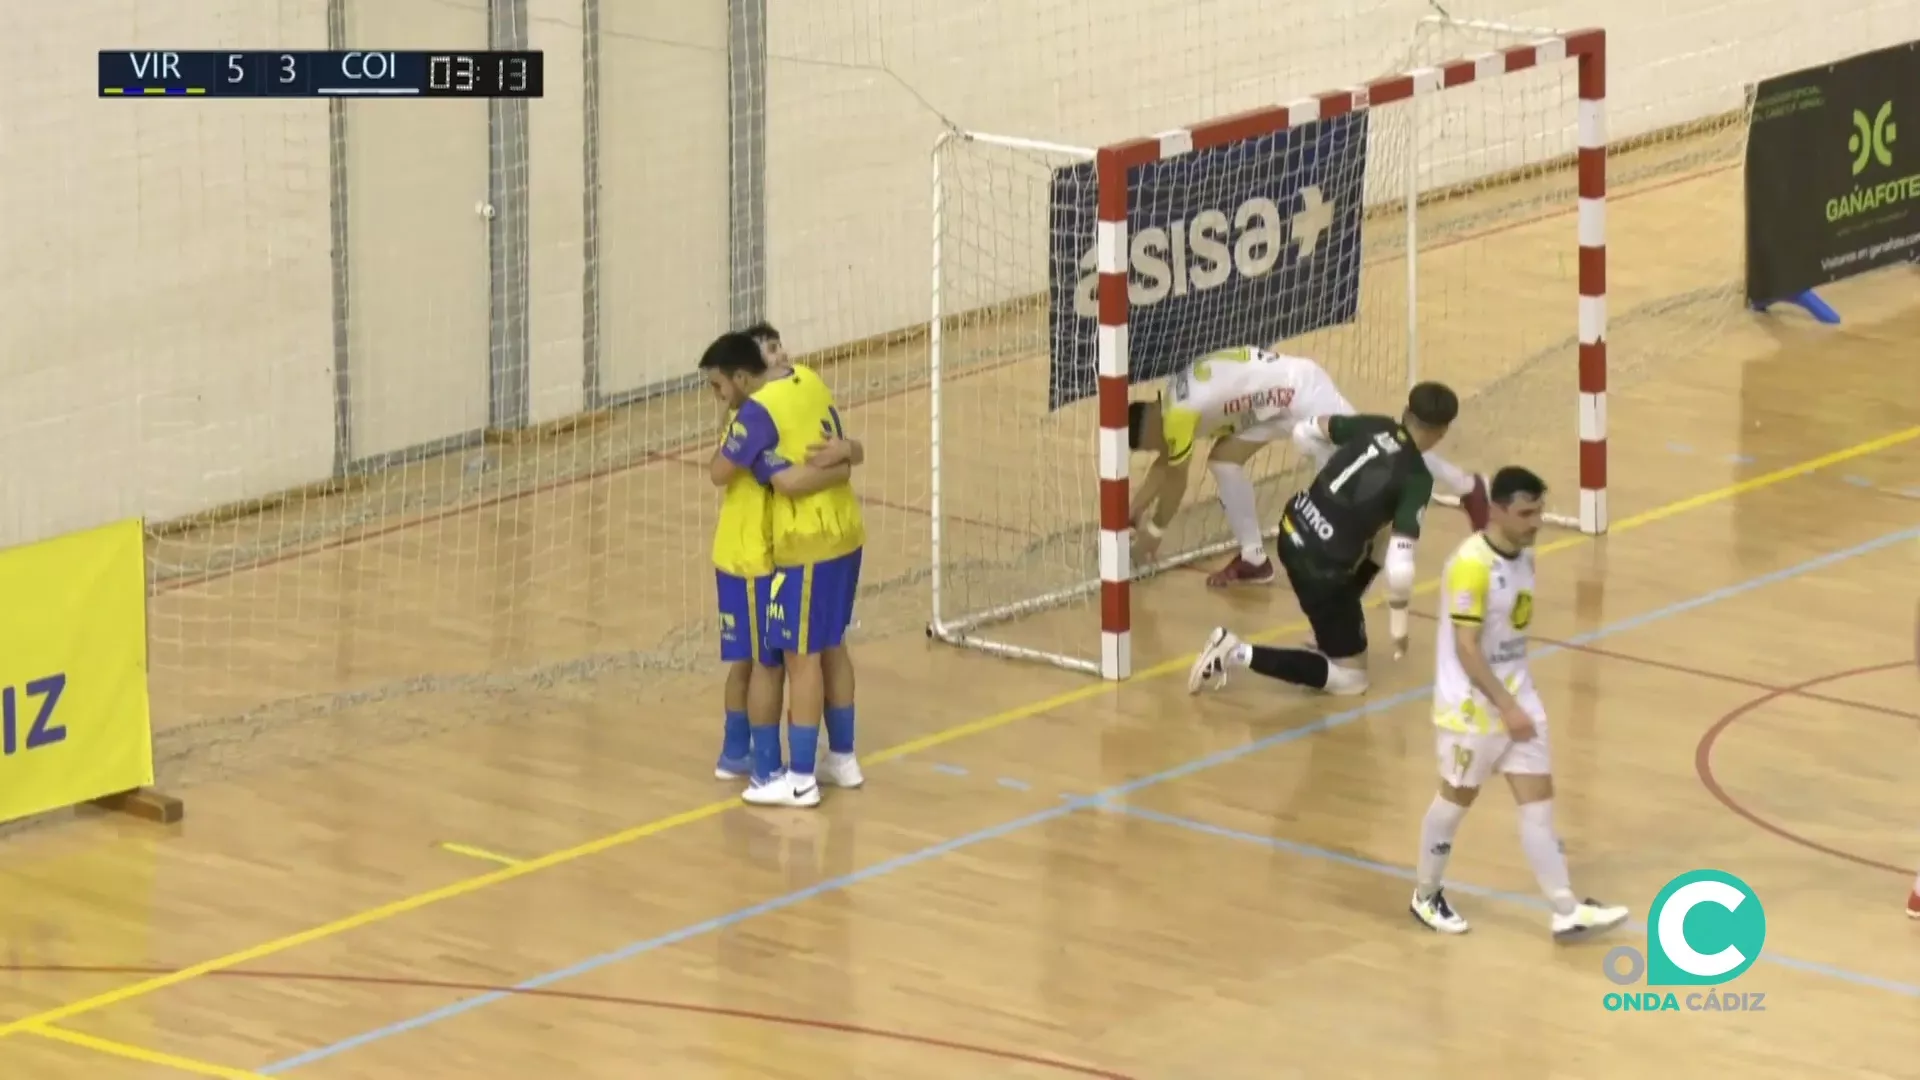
(237, 71)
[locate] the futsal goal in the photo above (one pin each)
(1444, 221)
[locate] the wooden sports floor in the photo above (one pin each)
(497, 875)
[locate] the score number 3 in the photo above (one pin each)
(237, 71)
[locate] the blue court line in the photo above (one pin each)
(1309, 851)
(1069, 806)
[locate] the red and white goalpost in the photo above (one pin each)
(1463, 162)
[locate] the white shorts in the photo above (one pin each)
(1469, 760)
(1325, 403)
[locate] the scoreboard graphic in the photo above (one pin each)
(161, 73)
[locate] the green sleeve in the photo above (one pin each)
(1344, 429)
(1414, 496)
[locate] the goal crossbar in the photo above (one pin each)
(1113, 165)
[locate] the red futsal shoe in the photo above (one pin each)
(1241, 572)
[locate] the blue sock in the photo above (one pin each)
(766, 750)
(738, 741)
(803, 743)
(840, 729)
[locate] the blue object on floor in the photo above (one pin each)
(1809, 300)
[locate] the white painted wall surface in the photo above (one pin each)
(166, 340)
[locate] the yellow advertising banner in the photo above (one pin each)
(74, 721)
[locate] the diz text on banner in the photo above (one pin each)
(74, 719)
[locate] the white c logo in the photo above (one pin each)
(1673, 922)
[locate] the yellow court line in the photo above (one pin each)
(142, 1054)
(472, 852)
(953, 734)
(1182, 663)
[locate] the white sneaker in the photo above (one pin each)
(1436, 913)
(786, 789)
(1590, 917)
(841, 770)
(1209, 671)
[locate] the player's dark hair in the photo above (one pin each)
(734, 354)
(1136, 422)
(1433, 404)
(1514, 480)
(762, 331)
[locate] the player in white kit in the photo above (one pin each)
(1242, 398)
(1487, 716)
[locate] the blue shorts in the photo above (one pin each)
(812, 605)
(743, 619)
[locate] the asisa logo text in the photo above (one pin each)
(1210, 249)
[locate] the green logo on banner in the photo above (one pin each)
(1872, 140)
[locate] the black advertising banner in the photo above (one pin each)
(1252, 241)
(1832, 188)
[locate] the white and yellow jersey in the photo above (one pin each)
(1489, 595)
(1230, 391)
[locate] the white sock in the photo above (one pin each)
(1916, 883)
(1546, 854)
(1448, 473)
(1240, 655)
(1236, 496)
(1436, 843)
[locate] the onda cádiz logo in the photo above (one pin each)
(1210, 249)
(1705, 928)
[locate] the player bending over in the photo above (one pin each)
(817, 541)
(1374, 482)
(1242, 399)
(743, 569)
(1488, 716)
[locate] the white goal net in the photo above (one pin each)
(406, 464)
(1431, 237)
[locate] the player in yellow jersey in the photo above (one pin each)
(789, 418)
(1489, 717)
(743, 570)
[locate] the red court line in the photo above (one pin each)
(1703, 764)
(875, 500)
(1016, 1056)
(1703, 752)
(1774, 690)
(375, 533)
